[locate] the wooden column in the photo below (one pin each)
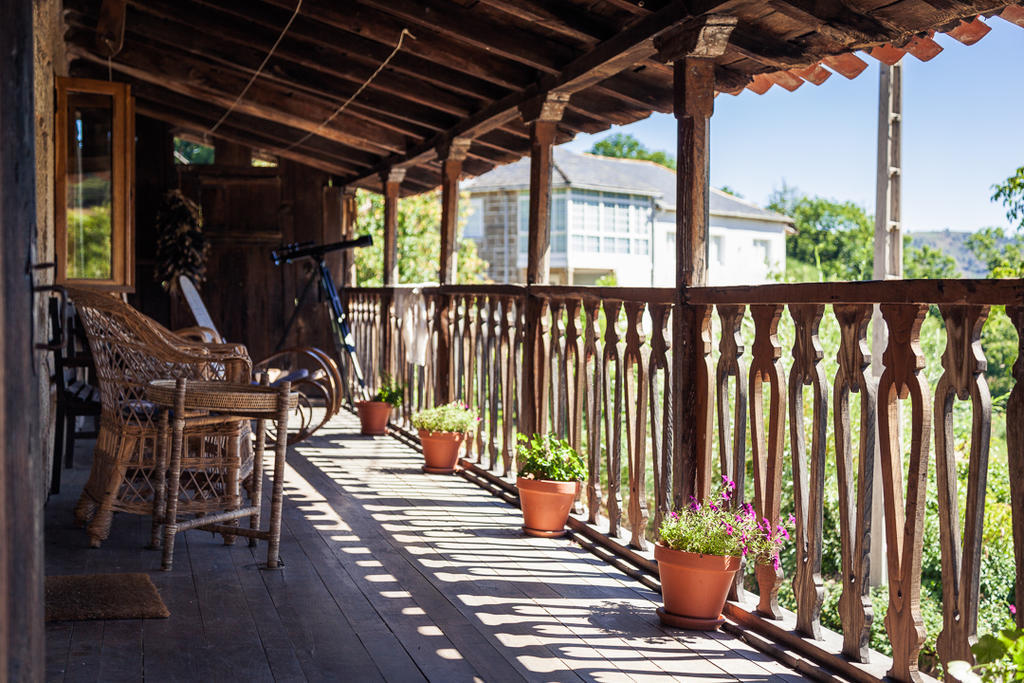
(542, 115)
(349, 214)
(692, 48)
(392, 181)
(452, 156)
(21, 446)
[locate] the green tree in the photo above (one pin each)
(192, 153)
(419, 241)
(835, 238)
(1011, 194)
(1002, 255)
(625, 146)
(927, 262)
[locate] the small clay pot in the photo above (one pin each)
(693, 587)
(441, 450)
(546, 505)
(373, 416)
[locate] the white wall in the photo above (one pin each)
(742, 251)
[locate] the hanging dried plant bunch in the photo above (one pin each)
(181, 247)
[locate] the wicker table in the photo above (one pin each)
(191, 400)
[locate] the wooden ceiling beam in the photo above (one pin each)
(391, 103)
(318, 41)
(246, 49)
(562, 18)
(625, 49)
(465, 26)
(221, 87)
(361, 22)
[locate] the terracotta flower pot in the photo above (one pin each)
(546, 505)
(441, 450)
(373, 415)
(693, 587)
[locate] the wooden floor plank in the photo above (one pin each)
(389, 574)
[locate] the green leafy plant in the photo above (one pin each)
(390, 391)
(452, 417)
(550, 458)
(1000, 658)
(717, 528)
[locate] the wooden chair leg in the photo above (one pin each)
(69, 443)
(58, 453)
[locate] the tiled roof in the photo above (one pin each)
(629, 176)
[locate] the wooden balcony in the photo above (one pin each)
(389, 574)
(635, 378)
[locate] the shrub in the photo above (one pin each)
(452, 417)
(391, 391)
(548, 457)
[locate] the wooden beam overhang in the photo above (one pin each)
(610, 57)
(219, 87)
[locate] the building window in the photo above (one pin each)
(762, 251)
(640, 247)
(717, 250)
(95, 143)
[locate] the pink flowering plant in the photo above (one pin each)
(716, 527)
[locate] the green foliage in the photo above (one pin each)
(190, 153)
(181, 247)
(1000, 657)
(926, 262)
(1002, 255)
(834, 237)
(718, 528)
(625, 146)
(549, 458)
(419, 242)
(390, 391)
(89, 251)
(452, 417)
(607, 280)
(728, 190)
(1011, 193)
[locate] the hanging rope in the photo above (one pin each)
(259, 70)
(398, 46)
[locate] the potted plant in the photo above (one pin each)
(374, 414)
(549, 479)
(698, 552)
(442, 432)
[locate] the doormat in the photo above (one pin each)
(80, 597)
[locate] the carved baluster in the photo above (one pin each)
(904, 518)
(503, 372)
(575, 377)
(593, 366)
(543, 377)
(557, 369)
(612, 387)
(495, 385)
(732, 451)
(479, 371)
(634, 370)
(766, 366)
(704, 396)
(1015, 455)
(808, 471)
(963, 364)
(855, 513)
(661, 416)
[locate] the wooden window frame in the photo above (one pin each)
(122, 203)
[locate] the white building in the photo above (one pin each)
(616, 217)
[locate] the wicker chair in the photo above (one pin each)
(130, 350)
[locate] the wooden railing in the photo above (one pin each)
(603, 377)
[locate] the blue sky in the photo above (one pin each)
(963, 130)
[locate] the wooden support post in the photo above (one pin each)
(392, 181)
(452, 155)
(542, 115)
(21, 463)
(692, 49)
(349, 214)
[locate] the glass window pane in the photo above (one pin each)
(90, 186)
